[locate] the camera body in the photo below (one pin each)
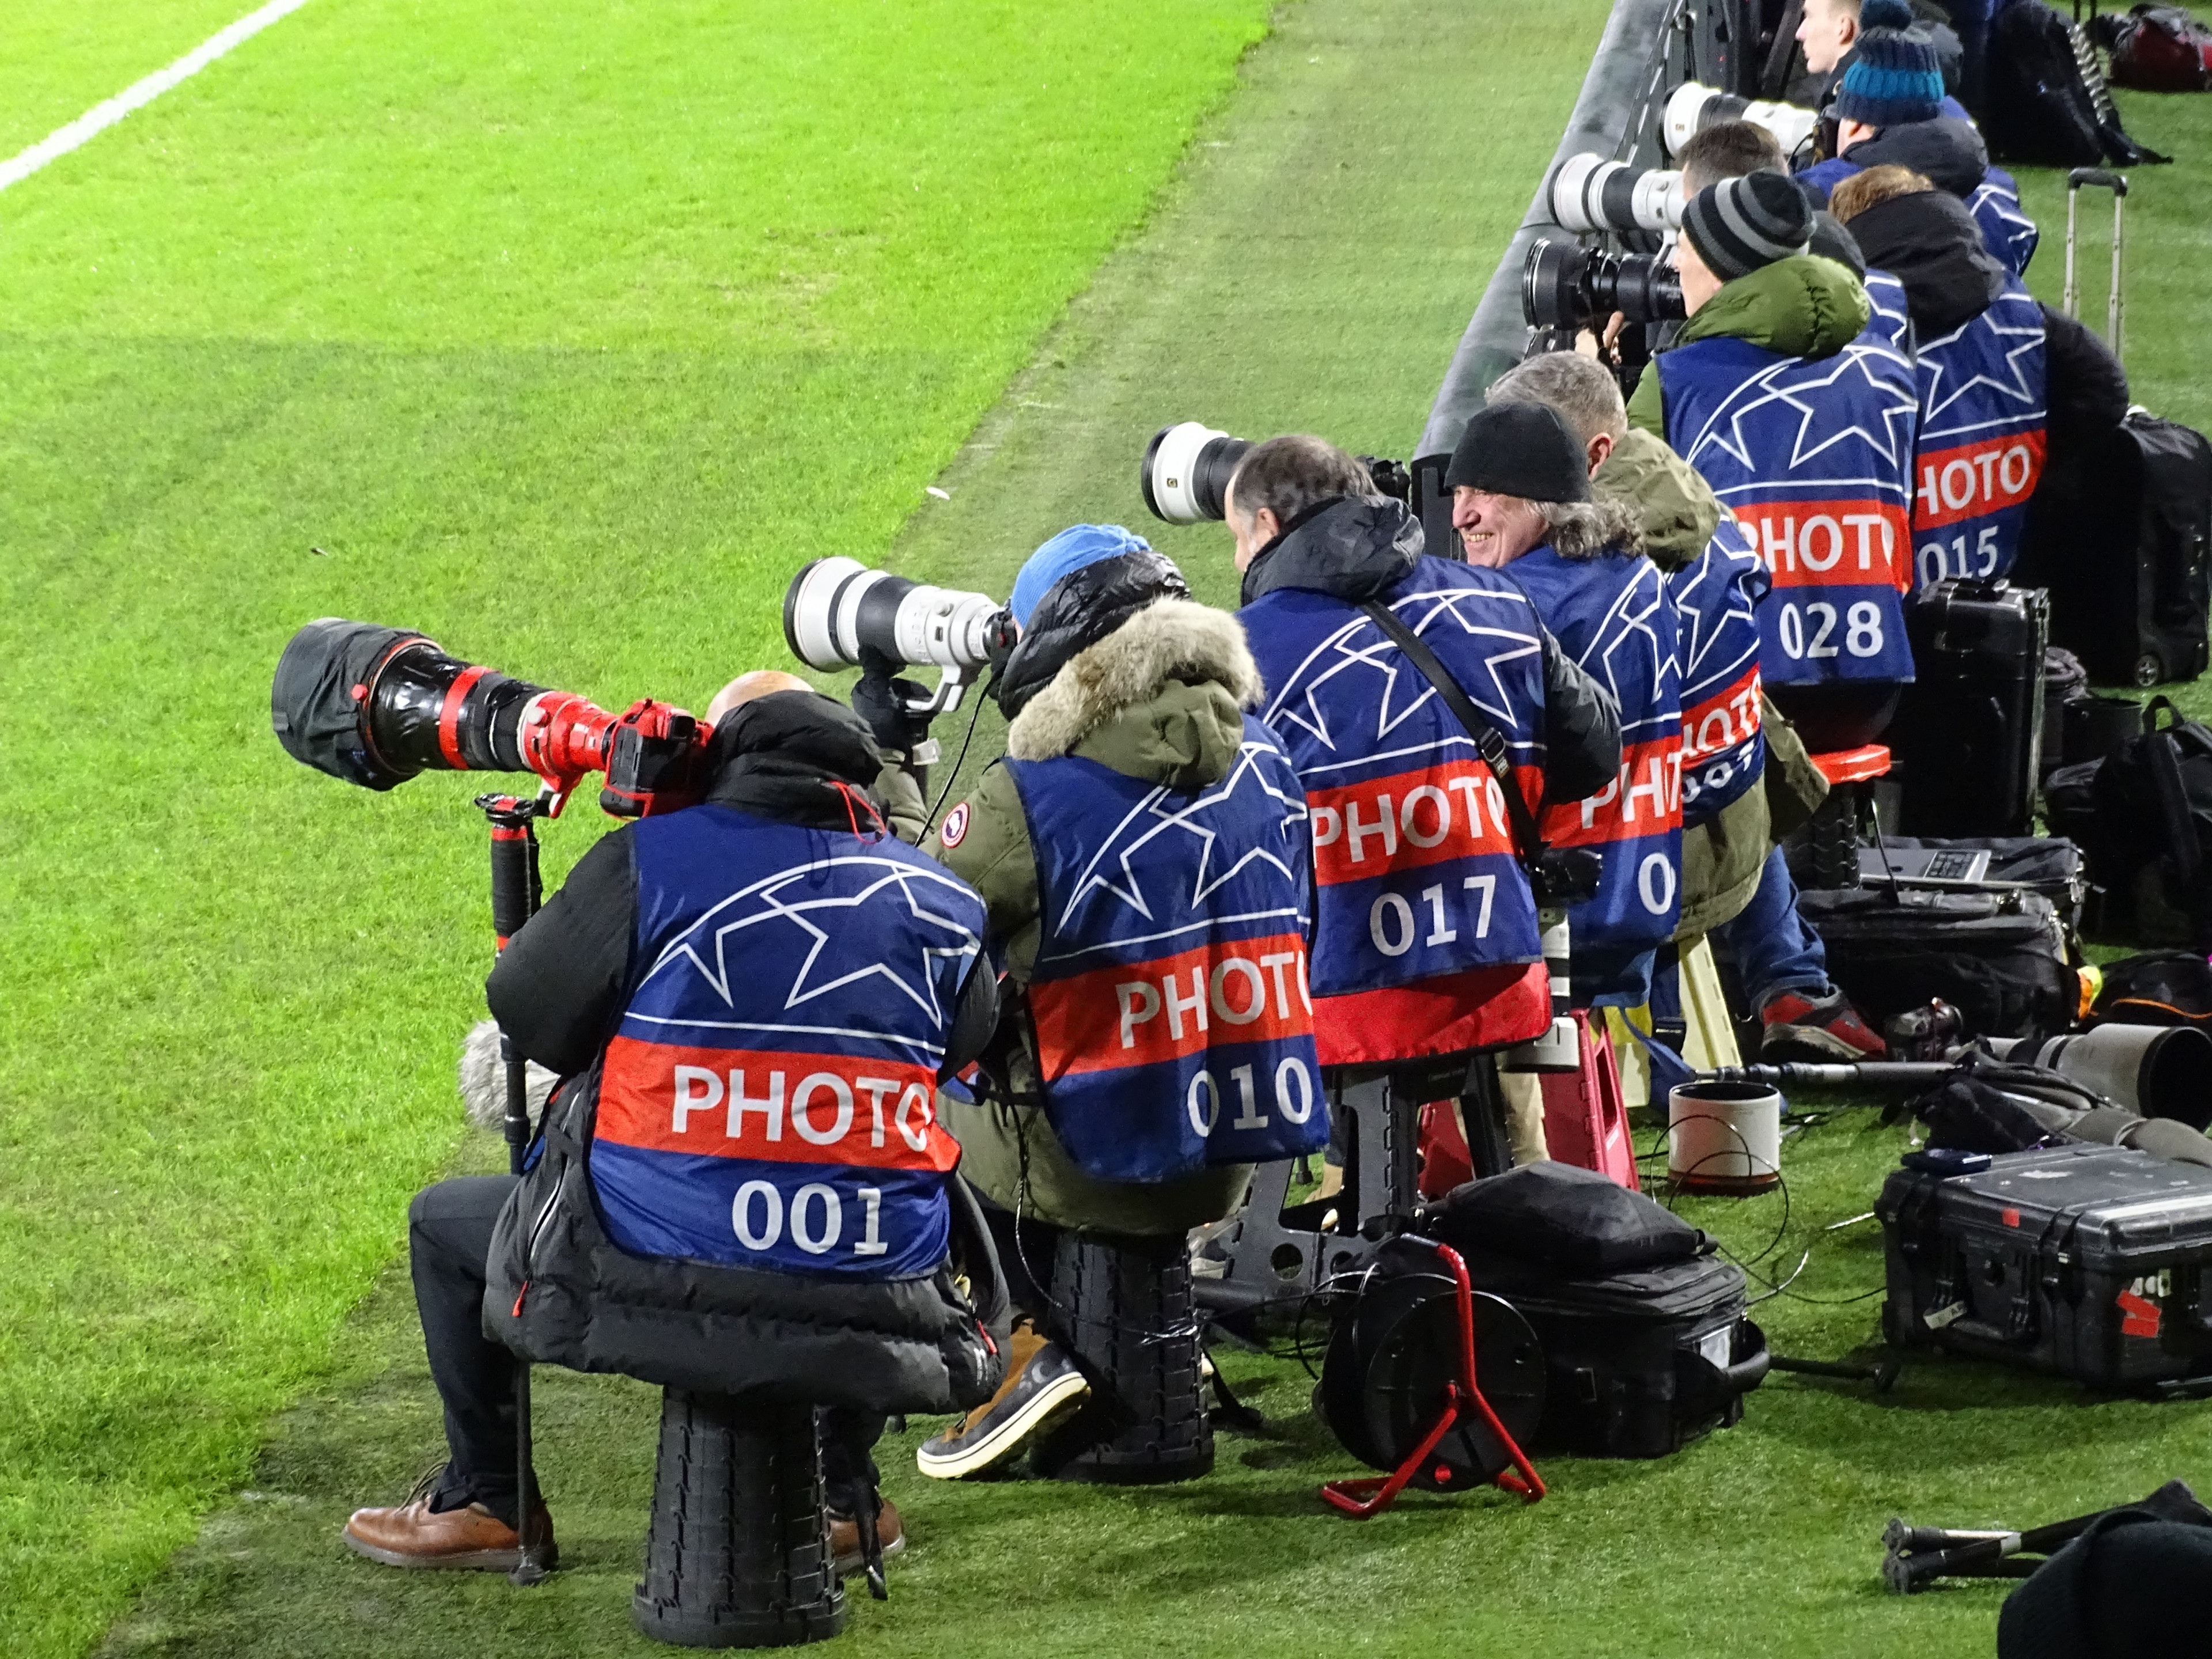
(1565, 287)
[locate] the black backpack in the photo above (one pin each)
(2152, 845)
(2046, 103)
(2162, 987)
(2120, 532)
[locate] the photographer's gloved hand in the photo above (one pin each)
(880, 699)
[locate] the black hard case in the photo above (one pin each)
(1969, 729)
(2084, 1262)
(1638, 1363)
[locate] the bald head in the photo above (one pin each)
(760, 682)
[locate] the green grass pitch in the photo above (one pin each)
(567, 333)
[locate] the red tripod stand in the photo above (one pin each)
(1368, 1495)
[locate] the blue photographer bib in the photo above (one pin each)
(1414, 855)
(1174, 1023)
(769, 1099)
(1717, 596)
(1981, 447)
(1614, 616)
(1814, 456)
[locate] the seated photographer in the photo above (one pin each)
(702, 1246)
(1144, 860)
(1891, 111)
(1801, 421)
(2009, 385)
(1426, 933)
(1712, 573)
(1743, 766)
(1523, 503)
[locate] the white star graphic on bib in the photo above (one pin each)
(1359, 645)
(771, 902)
(1855, 396)
(2016, 321)
(1162, 810)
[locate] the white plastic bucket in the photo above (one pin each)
(1723, 1138)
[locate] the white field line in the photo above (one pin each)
(102, 116)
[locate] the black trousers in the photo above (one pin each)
(449, 1228)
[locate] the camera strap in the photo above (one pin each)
(1488, 742)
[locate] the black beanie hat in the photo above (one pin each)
(1521, 449)
(1739, 225)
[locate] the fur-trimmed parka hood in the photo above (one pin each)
(1161, 697)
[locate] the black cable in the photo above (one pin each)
(929, 824)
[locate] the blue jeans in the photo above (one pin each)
(1774, 950)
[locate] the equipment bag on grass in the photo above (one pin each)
(2156, 49)
(2049, 865)
(1637, 1362)
(2163, 988)
(2121, 535)
(1968, 728)
(2151, 844)
(2001, 958)
(2046, 103)
(1645, 1340)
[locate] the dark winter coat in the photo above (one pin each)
(1948, 152)
(561, 1292)
(1929, 242)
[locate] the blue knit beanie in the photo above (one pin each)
(1073, 548)
(1894, 78)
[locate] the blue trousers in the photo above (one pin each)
(1774, 950)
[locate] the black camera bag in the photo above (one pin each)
(2152, 845)
(2162, 987)
(1969, 728)
(1998, 957)
(1638, 1362)
(1645, 1343)
(2087, 1262)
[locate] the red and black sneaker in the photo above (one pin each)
(1829, 1028)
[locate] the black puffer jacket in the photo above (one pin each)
(561, 1292)
(1929, 242)
(1357, 547)
(1076, 612)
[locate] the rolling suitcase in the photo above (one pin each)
(2123, 537)
(1969, 729)
(2086, 1261)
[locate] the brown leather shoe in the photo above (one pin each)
(414, 1535)
(845, 1537)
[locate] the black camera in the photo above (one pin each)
(1566, 286)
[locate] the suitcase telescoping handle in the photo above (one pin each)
(2102, 178)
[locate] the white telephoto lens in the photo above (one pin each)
(1171, 490)
(1685, 106)
(824, 593)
